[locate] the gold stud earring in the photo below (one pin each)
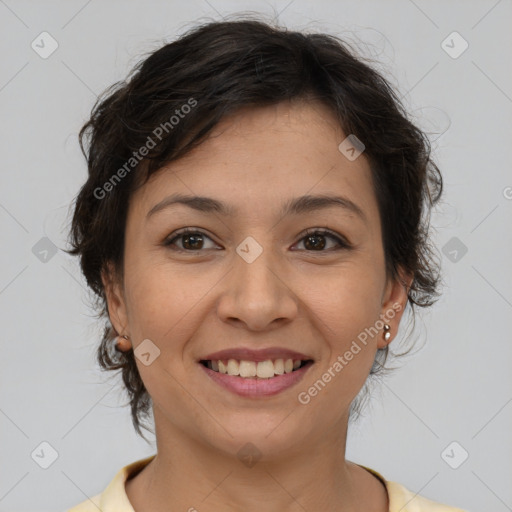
(387, 333)
(122, 343)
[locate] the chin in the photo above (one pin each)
(265, 438)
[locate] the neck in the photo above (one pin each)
(193, 476)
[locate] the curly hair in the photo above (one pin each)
(213, 70)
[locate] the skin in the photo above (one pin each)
(315, 301)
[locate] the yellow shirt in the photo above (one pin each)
(114, 498)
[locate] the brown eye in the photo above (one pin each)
(190, 240)
(315, 241)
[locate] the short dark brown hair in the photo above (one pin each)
(181, 91)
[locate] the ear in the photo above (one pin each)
(394, 302)
(115, 299)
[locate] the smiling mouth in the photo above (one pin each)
(267, 369)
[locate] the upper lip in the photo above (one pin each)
(247, 354)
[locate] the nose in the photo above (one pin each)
(257, 294)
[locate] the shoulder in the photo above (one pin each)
(113, 498)
(403, 500)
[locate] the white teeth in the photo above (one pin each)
(247, 369)
(279, 367)
(265, 369)
(232, 367)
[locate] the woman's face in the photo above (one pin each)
(250, 277)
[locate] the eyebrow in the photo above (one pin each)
(297, 206)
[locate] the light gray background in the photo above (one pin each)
(458, 387)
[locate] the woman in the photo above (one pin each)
(254, 225)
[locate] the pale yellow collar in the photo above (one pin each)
(114, 498)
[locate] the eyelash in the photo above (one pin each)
(343, 244)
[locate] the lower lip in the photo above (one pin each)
(254, 387)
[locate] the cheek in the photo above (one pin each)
(159, 297)
(345, 309)
(163, 306)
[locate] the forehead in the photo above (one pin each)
(259, 158)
